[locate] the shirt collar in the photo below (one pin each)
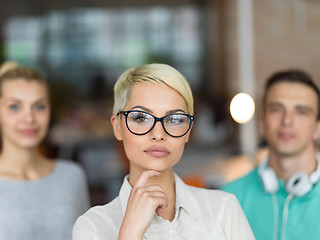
(184, 198)
(124, 193)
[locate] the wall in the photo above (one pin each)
(287, 35)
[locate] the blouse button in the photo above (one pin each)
(171, 231)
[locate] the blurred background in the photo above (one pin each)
(222, 47)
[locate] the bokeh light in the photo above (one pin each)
(242, 108)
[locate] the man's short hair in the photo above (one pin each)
(291, 76)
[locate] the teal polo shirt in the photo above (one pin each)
(303, 219)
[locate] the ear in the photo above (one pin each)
(316, 134)
(187, 136)
(261, 123)
(115, 121)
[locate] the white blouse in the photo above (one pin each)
(200, 214)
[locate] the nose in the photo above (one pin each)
(158, 133)
(287, 118)
(29, 116)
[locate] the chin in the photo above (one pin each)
(286, 152)
(29, 144)
(161, 167)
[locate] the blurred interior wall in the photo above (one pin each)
(286, 35)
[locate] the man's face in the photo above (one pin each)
(289, 121)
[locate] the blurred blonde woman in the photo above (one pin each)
(40, 198)
(153, 116)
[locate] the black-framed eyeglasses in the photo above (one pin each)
(140, 122)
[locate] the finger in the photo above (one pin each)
(162, 204)
(152, 187)
(159, 201)
(159, 198)
(159, 210)
(153, 192)
(144, 176)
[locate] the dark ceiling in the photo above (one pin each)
(9, 8)
(23, 7)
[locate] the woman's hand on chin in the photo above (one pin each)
(144, 202)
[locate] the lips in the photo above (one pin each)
(157, 151)
(285, 135)
(28, 132)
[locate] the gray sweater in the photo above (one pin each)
(44, 209)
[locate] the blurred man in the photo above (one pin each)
(281, 197)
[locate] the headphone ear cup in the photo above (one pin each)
(299, 184)
(269, 180)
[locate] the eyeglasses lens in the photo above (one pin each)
(141, 122)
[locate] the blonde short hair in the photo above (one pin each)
(157, 73)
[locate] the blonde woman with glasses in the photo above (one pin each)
(153, 116)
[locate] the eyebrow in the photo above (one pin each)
(298, 106)
(274, 104)
(150, 111)
(306, 108)
(15, 99)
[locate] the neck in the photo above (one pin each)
(287, 166)
(23, 163)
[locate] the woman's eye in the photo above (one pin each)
(139, 118)
(175, 119)
(40, 107)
